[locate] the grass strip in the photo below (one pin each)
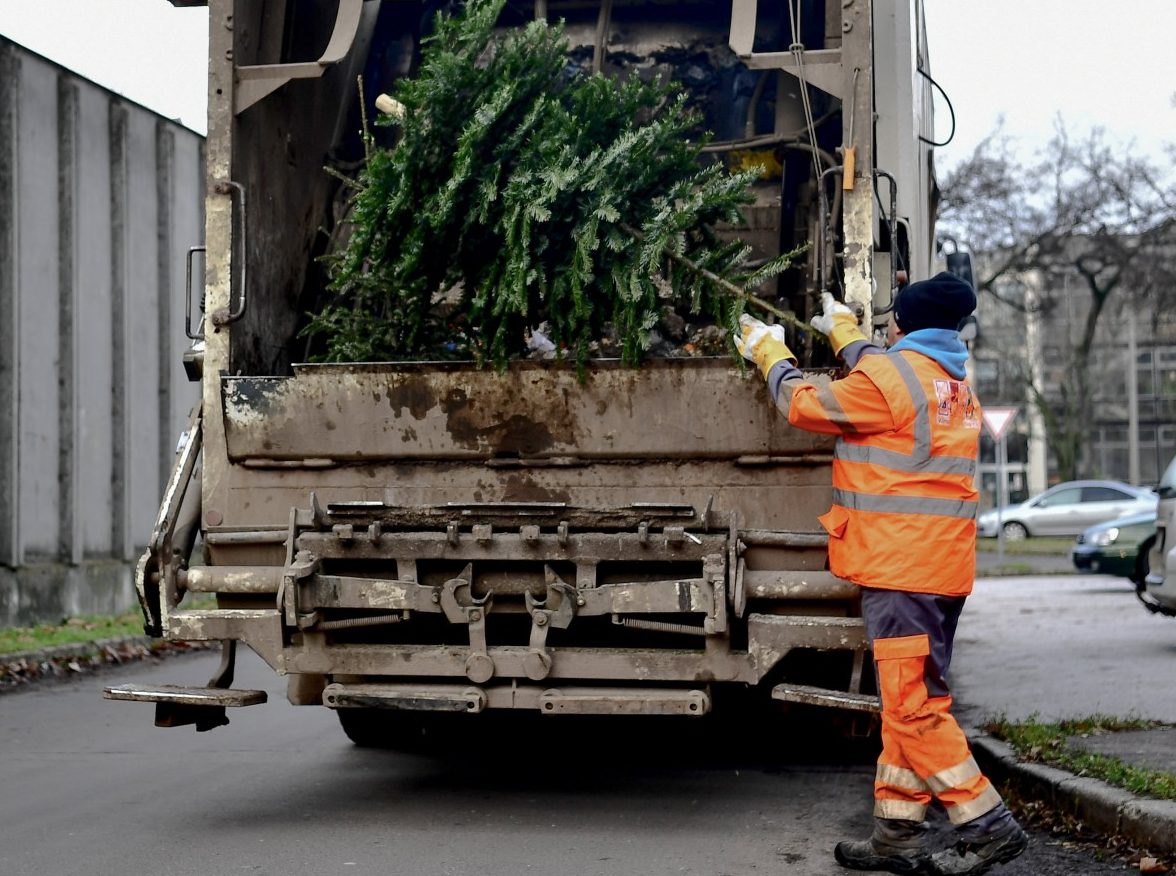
(1030, 547)
(71, 631)
(1048, 743)
(1008, 570)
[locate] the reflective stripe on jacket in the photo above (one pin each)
(904, 467)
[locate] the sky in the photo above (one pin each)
(146, 50)
(1093, 62)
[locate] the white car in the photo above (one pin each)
(1067, 509)
(1158, 590)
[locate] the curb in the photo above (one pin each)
(1146, 822)
(78, 649)
(20, 669)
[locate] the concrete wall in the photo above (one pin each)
(99, 201)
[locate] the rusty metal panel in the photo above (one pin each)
(667, 409)
(232, 579)
(816, 696)
(647, 701)
(577, 547)
(418, 698)
(779, 584)
(598, 664)
(784, 497)
(770, 637)
(419, 435)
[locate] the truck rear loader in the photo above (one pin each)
(407, 539)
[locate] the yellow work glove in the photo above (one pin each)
(837, 323)
(762, 344)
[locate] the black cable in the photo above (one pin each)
(894, 243)
(950, 109)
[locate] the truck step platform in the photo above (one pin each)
(634, 701)
(185, 696)
(548, 701)
(421, 698)
(820, 696)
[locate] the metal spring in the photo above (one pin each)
(662, 626)
(348, 623)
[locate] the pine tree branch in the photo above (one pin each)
(728, 286)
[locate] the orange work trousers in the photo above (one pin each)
(924, 751)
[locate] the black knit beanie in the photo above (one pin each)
(940, 302)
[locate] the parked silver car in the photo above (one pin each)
(1067, 509)
(1158, 591)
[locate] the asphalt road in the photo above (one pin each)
(91, 787)
(1063, 646)
(282, 791)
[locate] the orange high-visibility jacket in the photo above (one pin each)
(904, 467)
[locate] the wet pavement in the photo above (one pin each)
(1063, 646)
(1147, 749)
(1053, 647)
(988, 561)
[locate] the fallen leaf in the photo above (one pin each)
(1152, 865)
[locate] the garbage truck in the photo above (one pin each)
(408, 542)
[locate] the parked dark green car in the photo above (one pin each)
(1117, 547)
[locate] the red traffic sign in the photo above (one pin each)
(997, 420)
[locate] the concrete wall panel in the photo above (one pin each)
(93, 315)
(37, 200)
(142, 300)
(9, 378)
(99, 201)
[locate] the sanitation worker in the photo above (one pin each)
(903, 528)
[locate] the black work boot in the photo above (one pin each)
(994, 838)
(896, 846)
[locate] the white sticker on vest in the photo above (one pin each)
(956, 405)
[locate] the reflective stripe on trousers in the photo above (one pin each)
(924, 751)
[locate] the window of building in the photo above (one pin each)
(1166, 380)
(1146, 381)
(987, 371)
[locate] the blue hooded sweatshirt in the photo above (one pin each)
(942, 345)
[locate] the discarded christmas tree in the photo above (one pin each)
(522, 192)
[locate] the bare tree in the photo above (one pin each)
(1085, 210)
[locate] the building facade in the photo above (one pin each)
(1027, 339)
(99, 201)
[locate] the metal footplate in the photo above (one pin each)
(548, 701)
(432, 698)
(822, 696)
(589, 701)
(177, 706)
(185, 696)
